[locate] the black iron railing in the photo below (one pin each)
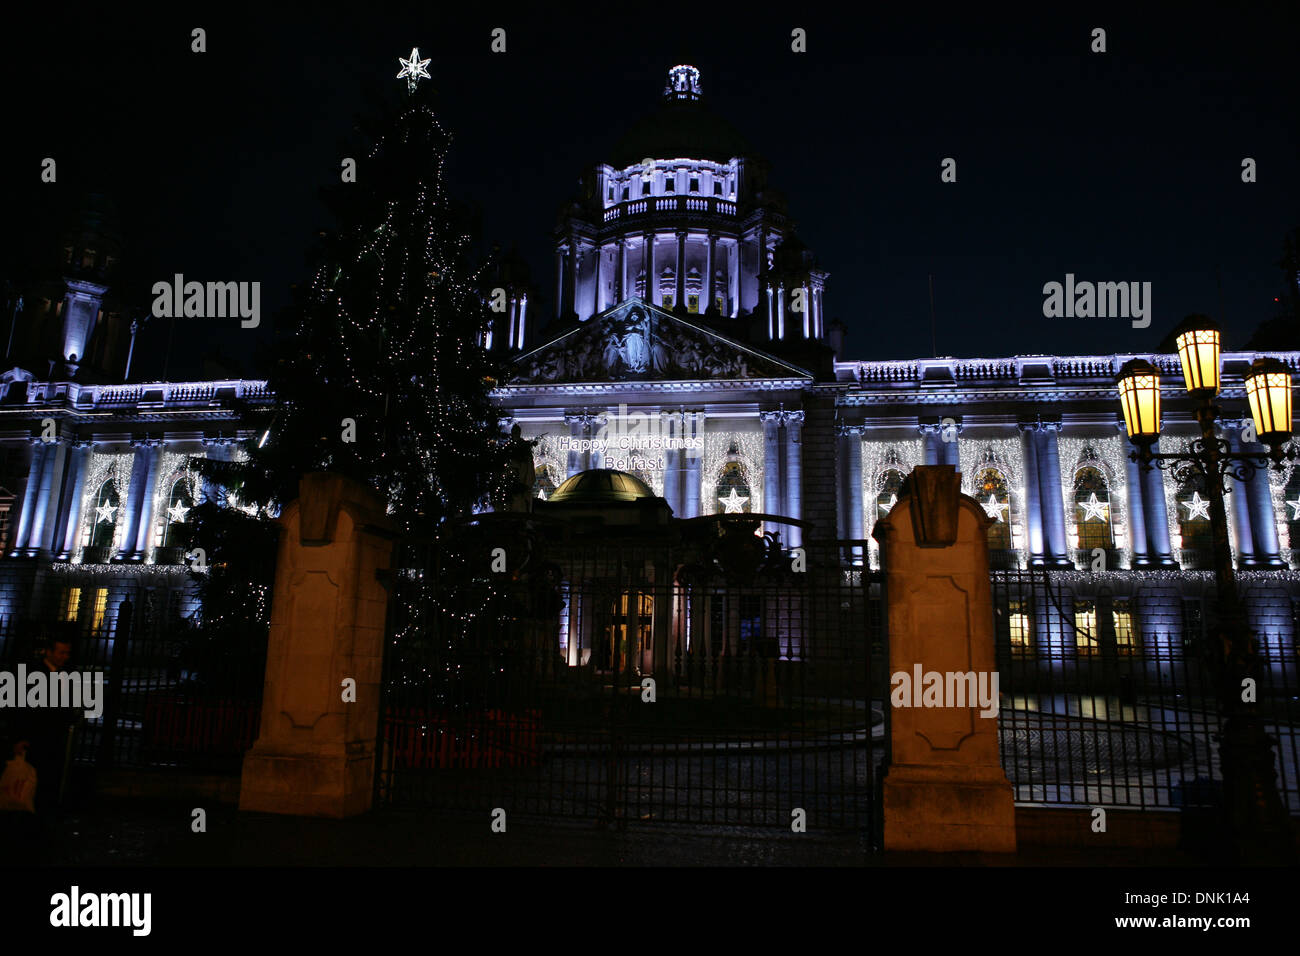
(1102, 708)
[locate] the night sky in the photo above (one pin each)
(1120, 166)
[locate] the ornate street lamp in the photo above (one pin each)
(1257, 820)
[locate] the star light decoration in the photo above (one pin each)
(105, 513)
(413, 69)
(886, 506)
(1092, 508)
(1197, 508)
(1295, 509)
(177, 513)
(993, 509)
(733, 503)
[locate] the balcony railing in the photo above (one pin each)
(96, 554)
(169, 555)
(703, 205)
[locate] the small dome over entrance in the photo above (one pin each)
(601, 486)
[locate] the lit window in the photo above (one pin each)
(101, 604)
(1122, 615)
(71, 604)
(1019, 628)
(1085, 624)
(667, 301)
(693, 303)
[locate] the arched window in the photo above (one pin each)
(1092, 510)
(889, 485)
(104, 518)
(179, 503)
(1194, 519)
(733, 495)
(995, 496)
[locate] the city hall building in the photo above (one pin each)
(693, 350)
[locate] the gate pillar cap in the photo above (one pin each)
(320, 496)
(932, 494)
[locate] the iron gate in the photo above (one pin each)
(720, 680)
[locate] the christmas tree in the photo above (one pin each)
(384, 379)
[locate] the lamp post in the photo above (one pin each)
(1256, 819)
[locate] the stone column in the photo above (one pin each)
(33, 451)
(315, 752)
(1157, 514)
(1263, 517)
(595, 425)
(600, 278)
(577, 431)
(575, 270)
(1057, 546)
(670, 427)
(930, 451)
(771, 326)
(1137, 528)
(772, 466)
(1033, 502)
(851, 464)
(70, 506)
(559, 278)
(710, 261)
(780, 310)
(679, 298)
(945, 789)
(1237, 503)
(144, 525)
(693, 425)
(620, 272)
(733, 273)
(653, 294)
(794, 473)
(134, 493)
(47, 497)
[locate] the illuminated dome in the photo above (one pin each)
(601, 486)
(682, 127)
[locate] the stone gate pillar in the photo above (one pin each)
(315, 754)
(944, 789)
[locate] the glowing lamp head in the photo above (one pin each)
(1199, 348)
(1268, 389)
(1139, 397)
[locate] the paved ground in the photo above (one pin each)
(134, 833)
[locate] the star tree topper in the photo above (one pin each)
(413, 69)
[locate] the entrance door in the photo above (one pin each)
(629, 634)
